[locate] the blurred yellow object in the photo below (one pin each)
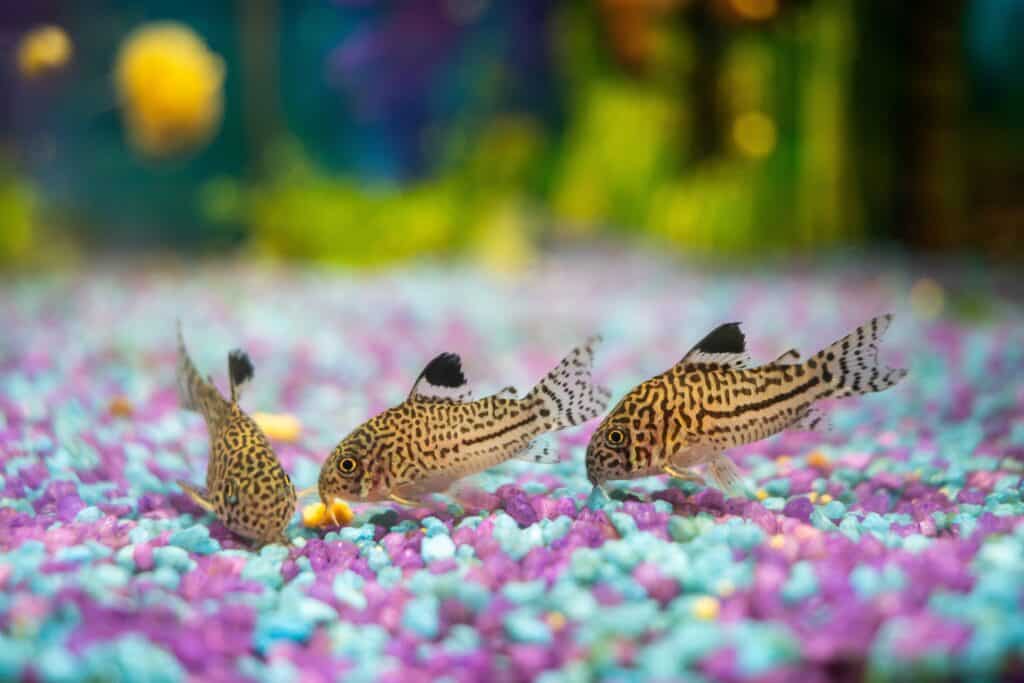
(761, 494)
(755, 10)
(824, 499)
(317, 514)
(927, 298)
(818, 460)
(279, 427)
(314, 514)
(170, 87)
(43, 50)
(503, 243)
(754, 134)
(120, 406)
(706, 608)
(18, 209)
(556, 620)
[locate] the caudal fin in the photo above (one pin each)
(567, 396)
(194, 392)
(851, 365)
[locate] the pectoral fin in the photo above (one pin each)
(683, 474)
(408, 502)
(725, 475)
(412, 494)
(197, 497)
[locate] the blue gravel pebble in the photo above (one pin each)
(173, 557)
(421, 616)
(131, 658)
(439, 547)
(433, 526)
(348, 588)
(265, 570)
(89, 515)
(802, 583)
(524, 592)
(196, 539)
(523, 627)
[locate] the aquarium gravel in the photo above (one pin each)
(891, 547)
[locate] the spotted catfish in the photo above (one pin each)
(711, 400)
(246, 487)
(439, 434)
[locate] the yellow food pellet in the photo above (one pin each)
(279, 426)
(783, 460)
(341, 512)
(761, 494)
(825, 499)
(777, 541)
(314, 515)
(317, 514)
(43, 50)
(818, 459)
(813, 496)
(121, 407)
(706, 608)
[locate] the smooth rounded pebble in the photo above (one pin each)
(888, 549)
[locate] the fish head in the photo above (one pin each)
(610, 452)
(348, 472)
(254, 509)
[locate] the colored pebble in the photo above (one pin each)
(907, 520)
(524, 627)
(436, 548)
(195, 539)
(706, 608)
(173, 557)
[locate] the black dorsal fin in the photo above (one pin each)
(442, 378)
(240, 370)
(725, 346)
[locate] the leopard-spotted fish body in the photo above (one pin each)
(246, 487)
(711, 401)
(439, 435)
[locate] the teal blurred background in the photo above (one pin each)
(374, 132)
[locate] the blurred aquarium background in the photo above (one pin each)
(372, 132)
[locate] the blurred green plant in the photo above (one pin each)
(476, 207)
(18, 206)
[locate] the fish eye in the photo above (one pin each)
(347, 465)
(616, 437)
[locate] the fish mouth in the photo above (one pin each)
(328, 502)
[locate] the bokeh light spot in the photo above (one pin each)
(754, 134)
(755, 10)
(927, 298)
(43, 50)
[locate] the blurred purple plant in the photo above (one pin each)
(413, 63)
(392, 62)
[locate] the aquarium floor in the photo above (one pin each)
(892, 547)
